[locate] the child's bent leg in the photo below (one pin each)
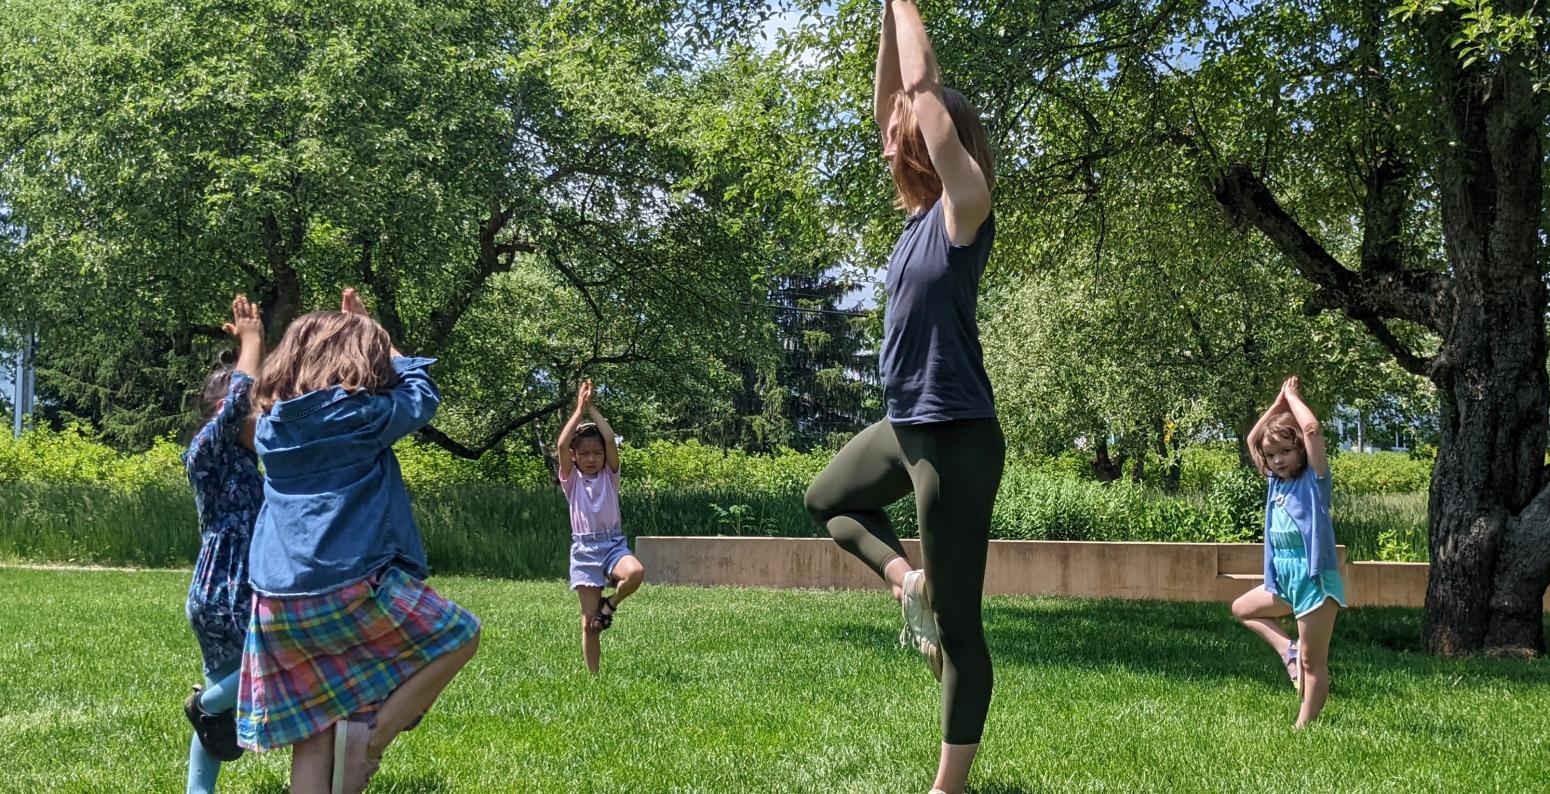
(415, 696)
(628, 575)
(1313, 634)
(221, 689)
(1259, 611)
(591, 646)
(312, 764)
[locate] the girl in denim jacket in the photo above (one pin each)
(348, 646)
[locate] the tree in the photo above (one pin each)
(1394, 161)
(821, 385)
(530, 191)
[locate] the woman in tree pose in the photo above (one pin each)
(941, 438)
(1302, 573)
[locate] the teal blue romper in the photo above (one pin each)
(1290, 559)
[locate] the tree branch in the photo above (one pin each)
(444, 441)
(1420, 296)
(492, 258)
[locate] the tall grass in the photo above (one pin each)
(72, 522)
(474, 528)
(516, 531)
(1382, 526)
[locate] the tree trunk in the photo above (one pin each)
(1168, 452)
(282, 295)
(1490, 532)
(1106, 469)
(1489, 506)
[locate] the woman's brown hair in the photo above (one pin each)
(1279, 427)
(324, 349)
(914, 177)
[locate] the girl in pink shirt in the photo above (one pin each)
(599, 552)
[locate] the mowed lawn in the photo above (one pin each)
(723, 690)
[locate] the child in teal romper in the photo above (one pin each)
(1302, 571)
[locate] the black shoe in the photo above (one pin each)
(216, 732)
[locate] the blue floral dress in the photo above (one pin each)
(228, 490)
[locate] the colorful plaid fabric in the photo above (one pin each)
(310, 662)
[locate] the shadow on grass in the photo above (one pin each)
(386, 782)
(1194, 641)
(1001, 787)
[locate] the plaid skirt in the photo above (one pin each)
(310, 662)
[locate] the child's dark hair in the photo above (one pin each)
(585, 431)
(217, 384)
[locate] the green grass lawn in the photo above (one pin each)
(755, 690)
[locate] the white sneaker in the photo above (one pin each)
(919, 632)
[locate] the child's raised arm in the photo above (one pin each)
(610, 447)
(562, 449)
(248, 327)
(1312, 439)
(1278, 405)
(415, 398)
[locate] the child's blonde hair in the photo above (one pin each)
(324, 349)
(1278, 428)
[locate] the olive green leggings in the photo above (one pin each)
(954, 469)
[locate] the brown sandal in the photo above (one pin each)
(603, 619)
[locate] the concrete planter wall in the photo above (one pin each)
(1168, 571)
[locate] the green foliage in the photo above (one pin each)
(662, 466)
(426, 467)
(1380, 473)
(531, 191)
(1237, 498)
(1382, 526)
(67, 497)
(1202, 464)
(74, 456)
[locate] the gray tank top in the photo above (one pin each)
(933, 367)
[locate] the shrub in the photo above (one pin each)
(1380, 473)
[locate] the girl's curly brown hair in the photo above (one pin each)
(324, 349)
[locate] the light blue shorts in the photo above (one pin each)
(593, 557)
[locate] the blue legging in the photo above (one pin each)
(220, 695)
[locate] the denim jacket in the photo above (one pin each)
(335, 507)
(1306, 499)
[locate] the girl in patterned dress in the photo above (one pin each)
(348, 646)
(227, 493)
(1302, 571)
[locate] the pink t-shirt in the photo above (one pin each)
(594, 500)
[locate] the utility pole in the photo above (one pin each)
(24, 384)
